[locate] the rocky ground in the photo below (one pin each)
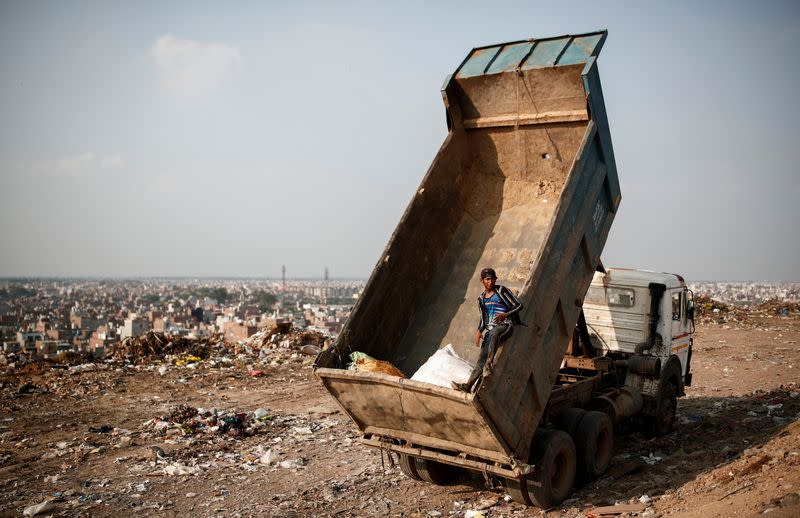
(237, 437)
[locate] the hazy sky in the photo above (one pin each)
(227, 139)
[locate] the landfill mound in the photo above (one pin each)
(782, 308)
(154, 345)
(710, 310)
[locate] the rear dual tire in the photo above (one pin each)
(434, 472)
(594, 442)
(593, 434)
(426, 470)
(554, 458)
(408, 466)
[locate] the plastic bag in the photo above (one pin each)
(443, 367)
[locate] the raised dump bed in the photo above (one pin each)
(525, 183)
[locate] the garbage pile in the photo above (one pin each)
(283, 336)
(154, 345)
(73, 358)
(709, 310)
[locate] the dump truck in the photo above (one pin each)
(526, 183)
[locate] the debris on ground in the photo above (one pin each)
(185, 420)
(41, 508)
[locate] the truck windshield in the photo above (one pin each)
(610, 296)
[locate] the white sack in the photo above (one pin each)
(443, 367)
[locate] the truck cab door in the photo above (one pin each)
(680, 336)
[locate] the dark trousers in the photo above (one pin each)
(491, 339)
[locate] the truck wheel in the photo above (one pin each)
(434, 472)
(594, 442)
(408, 466)
(554, 459)
(567, 421)
(661, 423)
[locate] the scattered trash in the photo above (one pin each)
(161, 454)
(178, 469)
(486, 503)
(293, 463)
(611, 510)
(773, 408)
(30, 388)
(266, 457)
(651, 459)
(257, 373)
(41, 508)
(102, 429)
(185, 420)
(310, 350)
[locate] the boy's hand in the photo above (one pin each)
(477, 338)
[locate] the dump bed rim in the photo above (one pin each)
(504, 454)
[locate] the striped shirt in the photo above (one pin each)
(494, 306)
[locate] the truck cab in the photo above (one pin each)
(645, 320)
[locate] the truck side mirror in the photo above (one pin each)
(690, 309)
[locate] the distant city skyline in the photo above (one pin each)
(183, 140)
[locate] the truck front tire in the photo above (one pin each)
(661, 423)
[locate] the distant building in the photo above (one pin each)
(100, 341)
(161, 324)
(46, 348)
(134, 326)
(236, 332)
(27, 341)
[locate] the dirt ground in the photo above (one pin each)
(734, 451)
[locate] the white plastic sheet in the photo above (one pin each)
(443, 367)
